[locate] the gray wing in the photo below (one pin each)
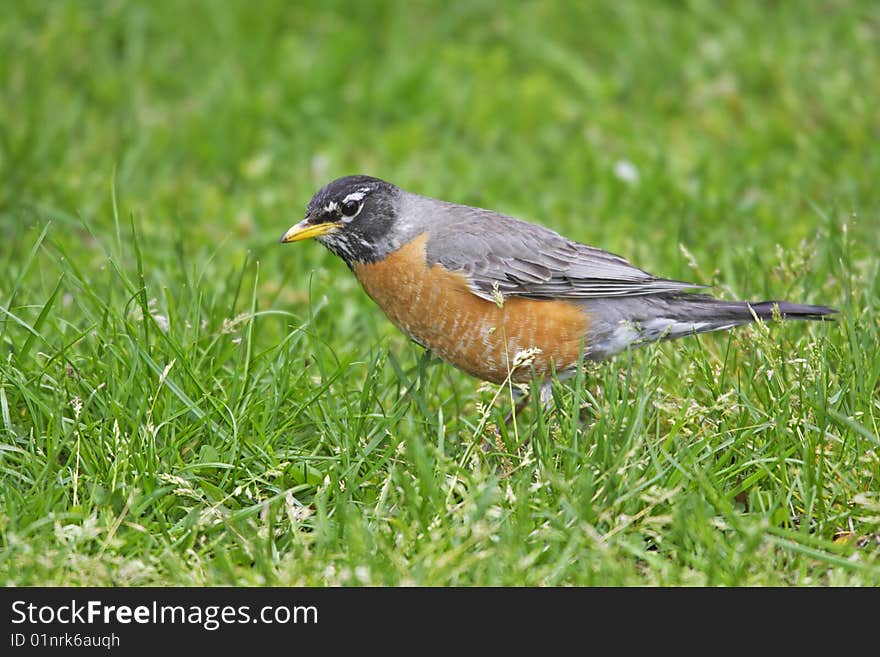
(531, 261)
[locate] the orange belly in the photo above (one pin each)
(435, 307)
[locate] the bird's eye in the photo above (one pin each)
(350, 208)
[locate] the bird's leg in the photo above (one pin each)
(546, 394)
(417, 383)
(520, 399)
(424, 361)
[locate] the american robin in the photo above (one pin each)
(479, 288)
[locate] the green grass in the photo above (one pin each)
(185, 401)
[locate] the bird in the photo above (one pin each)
(503, 299)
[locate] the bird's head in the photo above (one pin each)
(353, 216)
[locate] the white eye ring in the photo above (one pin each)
(350, 209)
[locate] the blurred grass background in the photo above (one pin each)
(185, 401)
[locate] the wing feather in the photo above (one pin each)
(531, 261)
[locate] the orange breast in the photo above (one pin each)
(435, 307)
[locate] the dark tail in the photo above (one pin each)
(622, 322)
(687, 314)
(787, 310)
(664, 317)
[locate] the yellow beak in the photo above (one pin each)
(304, 230)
